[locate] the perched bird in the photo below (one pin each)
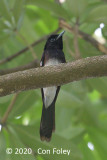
(52, 55)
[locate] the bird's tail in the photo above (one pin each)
(47, 125)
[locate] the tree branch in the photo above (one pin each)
(85, 36)
(33, 64)
(53, 75)
(27, 48)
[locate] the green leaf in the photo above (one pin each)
(98, 14)
(94, 96)
(2, 25)
(67, 99)
(4, 103)
(5, 99)
(76, 7)
(23, 102)
(3, 108)
(72, 132)
(94, 1)
(18, 12)
(77, 89)
(89, 28)
(56, 9)
(92, 51)
(2, 146)
(29, 136)
(45, 24)
(100, 84)
(18, 8)
(99, 140)
(104, 31)
(88, 113)
(87, 153)
(3, 38)
(19, 150)
(4, 10)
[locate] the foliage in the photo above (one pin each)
(81, 113)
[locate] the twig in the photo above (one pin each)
(85, 36)
(8, 59)
(30, 65)
(5, 117)
(53, 75)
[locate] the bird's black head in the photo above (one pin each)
(54, 42)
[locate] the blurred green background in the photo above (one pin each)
(81, 108)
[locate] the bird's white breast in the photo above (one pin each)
(49, 92)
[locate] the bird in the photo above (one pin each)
(53, 55)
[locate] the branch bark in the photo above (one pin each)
(33, 64)
(53, 75)
(85, 36)
(27, 48)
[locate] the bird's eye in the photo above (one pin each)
(52, 39)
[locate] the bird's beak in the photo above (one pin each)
(60, 35)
